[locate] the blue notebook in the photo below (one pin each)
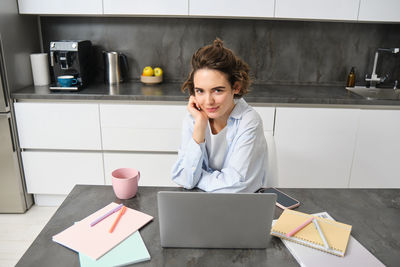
(131, 250)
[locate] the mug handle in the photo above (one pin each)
(138, 176)
(74, 81)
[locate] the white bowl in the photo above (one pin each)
(151, 79)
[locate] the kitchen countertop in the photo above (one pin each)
(260, 94)
(378, 233)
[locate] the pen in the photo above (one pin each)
(106, 215)
(321, 234)
(298, 228)
(117, 219)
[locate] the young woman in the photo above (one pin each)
(223, 145)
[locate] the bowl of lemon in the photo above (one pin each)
(151, 76)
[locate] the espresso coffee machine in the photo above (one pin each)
(71, 58)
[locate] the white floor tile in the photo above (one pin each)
(7, 263)
(18, 231)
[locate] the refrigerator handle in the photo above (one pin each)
(12, 135)
(3, 88)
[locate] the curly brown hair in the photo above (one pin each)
(218, 57)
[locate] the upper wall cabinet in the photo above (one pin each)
(232, 8)
(339, 10)
(138, 7)
(61, 7)
(379, 10)
(317, 9)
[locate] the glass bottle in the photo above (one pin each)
(351, 79)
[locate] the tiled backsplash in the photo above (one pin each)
(289, 52)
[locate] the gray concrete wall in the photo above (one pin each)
(288, 52)
(20, 37)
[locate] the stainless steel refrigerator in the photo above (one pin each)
(19, 37)
(13, 196)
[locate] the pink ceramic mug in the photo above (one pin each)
(125, 182)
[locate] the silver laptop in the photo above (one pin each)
(215, 220)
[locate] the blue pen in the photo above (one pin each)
(106, 215)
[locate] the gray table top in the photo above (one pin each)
(373, 213)
(170, 91)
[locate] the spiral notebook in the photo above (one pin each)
(356, 254)
(336, 233)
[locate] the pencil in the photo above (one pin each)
(298, 228)
(117, 219)
(321, 234)
(106, 215)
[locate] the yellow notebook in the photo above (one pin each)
(337, 234)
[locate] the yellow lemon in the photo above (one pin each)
(158, 71)
(148, 71)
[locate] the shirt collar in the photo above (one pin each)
(240, 106)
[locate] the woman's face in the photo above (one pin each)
(214, 94)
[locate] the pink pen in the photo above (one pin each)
(298, 228)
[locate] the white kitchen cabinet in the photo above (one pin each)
(155, 168)
(137, 127)
(272, 171)
(317, 9)
(154, 7)
(56, 173)
(146, 137)
(315, 146)
(379, 10)
(267, 115)
(58, 125)
(61, 7)
(232, 8)
(376, 162)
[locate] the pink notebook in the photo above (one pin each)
(96, 241)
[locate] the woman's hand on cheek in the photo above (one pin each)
(200, 120)
(194, 109)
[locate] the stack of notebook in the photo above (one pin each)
(336, 234)
(356, 254)
(98, 247)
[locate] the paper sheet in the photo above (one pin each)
(96, 241)
(131, 250)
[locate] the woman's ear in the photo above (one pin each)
(236, 87)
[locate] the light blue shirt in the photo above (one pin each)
(245, 164)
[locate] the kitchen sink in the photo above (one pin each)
(376, 93)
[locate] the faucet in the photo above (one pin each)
(374, 79)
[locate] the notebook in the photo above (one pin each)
(356, 254)
(337, 234)
(96, 241)
(131, 250)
